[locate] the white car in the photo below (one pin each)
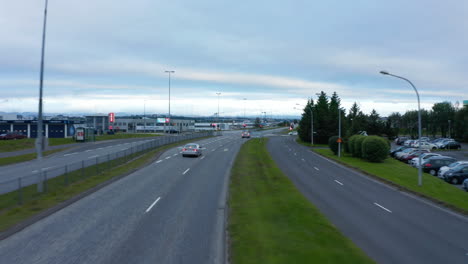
(444, 169)
(425, 145)
(192, 149)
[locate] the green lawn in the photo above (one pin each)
(272, 222)
(28, 143)
(406, 176)
(64, 187)
(26, 157)
(307, 144)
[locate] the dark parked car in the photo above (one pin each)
(433, 164)
(393, 152)
(457, 174)
(465, 185)
(400, 140)
(451, 145)
(12, 135)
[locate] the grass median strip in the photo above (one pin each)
(402, 175)
(272, 222)
(26, 157)
(65, 187)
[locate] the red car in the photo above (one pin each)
(12, 135)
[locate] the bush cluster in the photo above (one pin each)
(333, 144)
(371, 148)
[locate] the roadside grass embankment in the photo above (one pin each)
(405, 177)
(270, 221)
(60, 189)
(27, 157)
(28, 143)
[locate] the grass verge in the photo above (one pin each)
(403, 176)
(65, 187)
(307, 144)
(272, 222)
(28, 143)
(26, 157)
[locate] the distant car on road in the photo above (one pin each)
(457, 174)
(191, 149)
(12, 135)
(433, 164)
(246, 134)
(293, 133)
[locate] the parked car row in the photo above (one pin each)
(444, 167)
(12, 135)
(427, 143)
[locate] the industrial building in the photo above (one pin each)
(51, 128)
(152, 125)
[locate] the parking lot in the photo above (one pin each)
(459, 155)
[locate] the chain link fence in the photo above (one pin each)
(28, 187)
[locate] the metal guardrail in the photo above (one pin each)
(47, 180)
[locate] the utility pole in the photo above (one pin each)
(40, 136)
(217, 116)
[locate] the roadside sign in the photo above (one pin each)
(339, 140)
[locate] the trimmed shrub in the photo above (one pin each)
(350, 144)
(357, 146)
(333, 144)
(375, 149)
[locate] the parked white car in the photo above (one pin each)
(425, 145)
(444, 169)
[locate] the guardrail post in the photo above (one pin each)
(108, 162)
(82, 169)
(66, 175)
(40, 182)
(97, 165)
(20, 192)
(45, 181)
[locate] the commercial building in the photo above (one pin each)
(51, 128)
(100, 122)
(152, 125)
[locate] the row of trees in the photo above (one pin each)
(437, 121)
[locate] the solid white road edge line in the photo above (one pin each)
(158, 161)
(168, 157)
(202, 157)
(383, 207)
(183, 173)
(153, 204)
(338, 182)
(316, 168)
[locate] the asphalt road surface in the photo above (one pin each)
(389, 225)
(75, 158)
(171, 211)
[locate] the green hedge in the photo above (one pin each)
(357, 146)
(375, 149)
(333, 144)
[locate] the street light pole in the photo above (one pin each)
(339, 132)
(244, 107)
(217, 116)
(144, 115)
(40, 136)
(169, 72)
(419, 122)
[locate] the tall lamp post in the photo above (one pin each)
(169, 72)
(40, 136)
(244, 107)
(419, 122)
(217, 116)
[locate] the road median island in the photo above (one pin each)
(404, 177)
(270, 221)
(63, 190)
(27, 157)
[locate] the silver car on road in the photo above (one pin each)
(191, 149)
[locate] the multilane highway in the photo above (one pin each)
(389, 225)
(171, 211)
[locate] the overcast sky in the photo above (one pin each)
(110, 56)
